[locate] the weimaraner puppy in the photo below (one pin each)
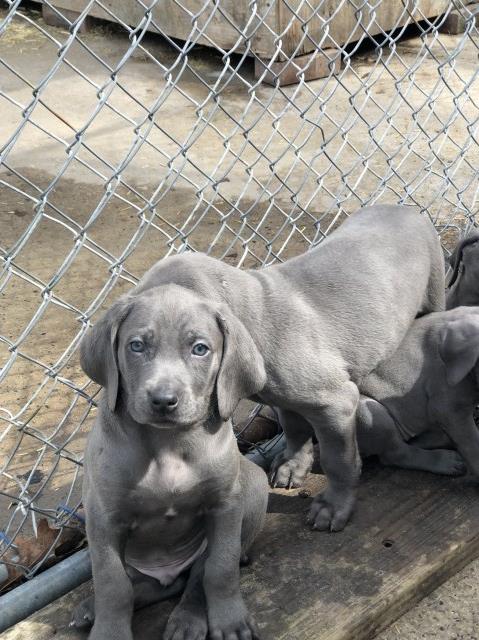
(419, 403)
(321, 322)
(169, 499)
(463, 286)
(425, 394)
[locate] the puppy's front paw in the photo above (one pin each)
(187, 623)
(289, 473)
(84, 614)
(110, 631)
(330, 513)
(449, 463)
(232, 622)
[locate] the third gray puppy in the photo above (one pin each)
(321, 322)
(426, 394)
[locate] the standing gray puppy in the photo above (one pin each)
(321, 322)
(463, 286)
(166, 490)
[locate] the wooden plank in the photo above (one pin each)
(307, 585)
(228, 26)
(299, 25)
(66, 18)
(347, 22)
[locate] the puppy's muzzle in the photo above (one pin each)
(163, 399)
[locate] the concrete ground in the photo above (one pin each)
(451, 612)
(259, 164)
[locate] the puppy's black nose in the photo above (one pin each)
(163, 399)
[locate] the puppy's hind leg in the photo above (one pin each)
(291, 466)
(378, 435)
(189, 619)
(432, 439)
(460, 426)
(255, 489)
(146, 591)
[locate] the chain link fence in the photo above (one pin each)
(133, 130)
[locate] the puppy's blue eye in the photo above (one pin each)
(137, 346)
(200, 349)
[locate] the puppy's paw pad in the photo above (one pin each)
(287, 474)
(231, 622)
(84, 615)
(458, 467)
(244, 630)
(326, 516)
(186, 625)
(450, 463)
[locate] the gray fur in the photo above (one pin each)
(419, 403)
(298, 336)
(463, 285)
(427, 390)
(160, 476)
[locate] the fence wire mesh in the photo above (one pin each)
(154, 131)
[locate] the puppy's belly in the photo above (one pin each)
(165, 569)
(162, 548)
(167, 533)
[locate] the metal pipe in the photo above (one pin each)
(53, 583)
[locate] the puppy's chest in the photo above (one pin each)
(170, 475)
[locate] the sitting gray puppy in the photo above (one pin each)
(168, 497)
(463, 286)
(321, 322)
(426, 394)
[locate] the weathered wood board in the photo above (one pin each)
(411, 531)
(232, 25)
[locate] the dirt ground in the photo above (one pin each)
(253, 186)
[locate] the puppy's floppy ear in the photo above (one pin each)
(459, 347)
(241, 373)
(98, 349)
